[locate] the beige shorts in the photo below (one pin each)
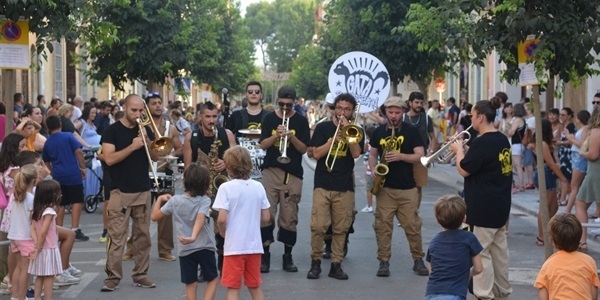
(420, 174)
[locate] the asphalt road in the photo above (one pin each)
(360, 264)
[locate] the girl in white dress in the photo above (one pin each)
(46, 263)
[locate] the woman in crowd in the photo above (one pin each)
(578, 163)
(515, 134)
(590, 189)
(436, 119)
(528, 160)
(551, 172)
(507, 118)
(564, 152)
(65, 112)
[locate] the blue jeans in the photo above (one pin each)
(550, 178)
(444, 297)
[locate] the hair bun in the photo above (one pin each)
(496, 102)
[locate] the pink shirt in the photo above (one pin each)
(52, 235)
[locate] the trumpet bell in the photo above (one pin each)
(352, 134)
(426, 161)
(283, 160)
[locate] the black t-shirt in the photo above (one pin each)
(340, 178)
(131, 174)
(199, 141)
(488, 187)
(298, 126)
(241, 119)
(453, 111)
(423, 124)
(400, 174)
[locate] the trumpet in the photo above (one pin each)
(445, 155)
(161, 146)
(284, 159)
(351, 134)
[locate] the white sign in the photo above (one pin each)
(362, 75)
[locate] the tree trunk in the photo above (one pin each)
(543, 212)
(422, 88)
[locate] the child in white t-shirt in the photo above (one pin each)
(242, 204)
(191, 222)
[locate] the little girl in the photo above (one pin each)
(18, 230)
(46, 261)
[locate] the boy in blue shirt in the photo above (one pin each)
(452, 252)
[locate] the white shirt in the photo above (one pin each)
(244, 200)
(20, 218)
(76, 114)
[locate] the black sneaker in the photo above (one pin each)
(384, 269)
(315, 269)
(288, 263)
(80, 236)
(420, 268)
(337, 272)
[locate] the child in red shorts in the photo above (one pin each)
(242, 204)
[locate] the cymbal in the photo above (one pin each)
(250, 131)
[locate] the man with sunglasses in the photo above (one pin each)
(250, 117)
(283, 181)
(333, 195)
(596, 101)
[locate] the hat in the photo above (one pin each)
(329, 99)
(394, 101)
(287, 92)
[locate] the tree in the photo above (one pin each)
(284, 27)
(309, 73)
(355, 25)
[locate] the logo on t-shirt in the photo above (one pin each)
(505, 162)
(278, 141)
(253, 125)
(341, 147)
(394, 143)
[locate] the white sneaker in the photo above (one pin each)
(73, 271)
(597, 220)
(65, 279)
(367, 209)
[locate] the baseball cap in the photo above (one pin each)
(394, 101)
(329, 99)
(287, 92)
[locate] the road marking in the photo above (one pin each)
(101, 262)
(74, 291)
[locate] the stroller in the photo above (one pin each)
(91, 201)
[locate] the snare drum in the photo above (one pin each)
(257, 155)
(165, 183)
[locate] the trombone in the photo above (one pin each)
(143, 136)
(284, 159)
(445, 155)
(161, 145)
(351, 134)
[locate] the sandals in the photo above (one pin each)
(539, 241)
(583, 247)
(517, 189)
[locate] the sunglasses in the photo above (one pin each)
(595, 102)
(282, 104)
(256, 92)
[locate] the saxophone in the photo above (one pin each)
(216, 178)
(382, 169)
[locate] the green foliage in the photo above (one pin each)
(568, 32)
(370, 26)
(158, 40)
(309, 73)
(281, 28)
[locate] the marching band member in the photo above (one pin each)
(199, 144)
(283, 181)
(165, 225)
(250, 117)
(333, 195)
(487, 168)
(128, 163)
(400, 145)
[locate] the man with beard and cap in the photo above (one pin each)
(418, 118)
